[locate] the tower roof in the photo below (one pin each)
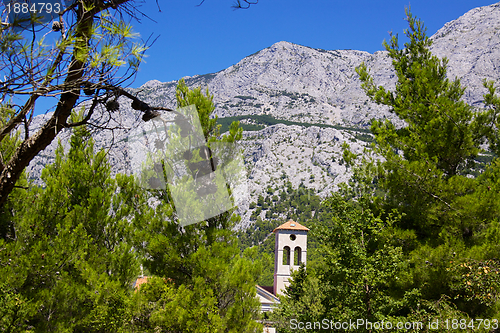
(291, 225)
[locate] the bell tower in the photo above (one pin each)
(290, 250)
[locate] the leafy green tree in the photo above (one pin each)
(361, 273)
(492, 116)
(442, 129)
(260, 200)
(415, 235)
(70, 263)
(302, 301)
(223, 305)
(15, 308)
(430, 173)
(428, 159)
(209, 274)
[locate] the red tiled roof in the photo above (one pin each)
(144, 279)
(291, 225)
(139, 281)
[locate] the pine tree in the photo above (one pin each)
(431, 175)
(302, 301)
(430, 160)
(414, 236)
(201, 262)
(70, 265)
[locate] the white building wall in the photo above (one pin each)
(282, 272)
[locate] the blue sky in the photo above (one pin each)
(205, 39)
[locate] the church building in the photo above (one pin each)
(290, 250)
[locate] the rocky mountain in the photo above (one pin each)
(307, 102)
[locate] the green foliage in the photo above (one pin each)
(358, 248)
(477, 284)
(302, 301)
(70, 264)
(360, 272)
(267, 120)
(69, 257)
(348, 156)
(200, 306)
(203, 258)
(442, 129)
(213, 282)
(256, 233)
(181, 313)
(428, 174)
(492, 116)
(297, 204)
(428, 161)
(414, 236)
(204, 105)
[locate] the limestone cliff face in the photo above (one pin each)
(292, 82)
(305, 85)
(472, 45)
(295, 82)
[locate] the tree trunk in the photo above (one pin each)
(31, 146)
